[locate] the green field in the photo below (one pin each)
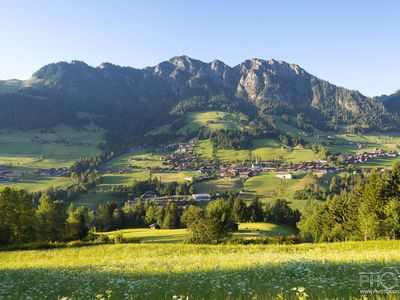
(147, 235)
(178, 176)
(141, 159)
(96, 197)
(269, 187)
(108, 180)
(263, 149)
(33, 183)
(246, 230)
(204, 149)
(26, 151)
(213, 120)
(259, 229)
(219, 185)
(160, 271)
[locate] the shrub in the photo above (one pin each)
(119, 238)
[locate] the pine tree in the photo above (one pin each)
(239, 210)
(52, 219)
(171, 219)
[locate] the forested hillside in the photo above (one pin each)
(130, 102)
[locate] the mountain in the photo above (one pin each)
(129, 102)
(392, 101)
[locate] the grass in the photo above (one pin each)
(108, 180)
(96, 197)
(147, 235)
(264, 149)
(219, 185)
(258, 230)
(160, 271)
(33, 183)
(379, 162)
(143, 160)
(170, 176)
(246, 230)
(24, 152)
(204, 149)
(225, 155)
(211, 119)
(269, 187)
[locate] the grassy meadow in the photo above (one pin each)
(219, 185)
(269, 187)
(162, 271)
(213, 120)
(172, 236)
(26, 151)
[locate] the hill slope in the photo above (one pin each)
(130, 102)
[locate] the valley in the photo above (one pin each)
(28, 153)
(192, 179)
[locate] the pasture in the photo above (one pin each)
(141, 159)
(26, 151)
(219, 185)
(211, 119)
(96, 197)
(269, 187)
(35, 183)
(162, 271)
(173, 236)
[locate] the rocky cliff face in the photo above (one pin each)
(259, 82)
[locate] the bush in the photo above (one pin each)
(102, 238)
(119, 238)
(273, 240)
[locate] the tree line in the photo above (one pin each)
(362, 207)
(49, 220)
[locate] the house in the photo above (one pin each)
(285, 175)
(201, 197)
(256, 167)
(234, 226)
(154, 226)
(13, 176)
(245, 174)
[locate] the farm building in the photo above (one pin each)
(201, 197)
(154, 226)
(285, 175)
(256, 167)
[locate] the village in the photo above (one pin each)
(8, 175)
(184, 158)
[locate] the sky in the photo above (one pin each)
(354, 43)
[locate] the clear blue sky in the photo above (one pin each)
(351, 43)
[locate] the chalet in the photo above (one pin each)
(229, 173)
(285, 175)
(320, 171)
(272, 163)
(245, 173)
(154, 226)
(234, 226)
(201, 197)
(256, 167)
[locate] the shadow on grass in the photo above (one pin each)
(325, 280)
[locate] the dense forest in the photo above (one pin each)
(358, 207)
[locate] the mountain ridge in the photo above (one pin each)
(256, 86)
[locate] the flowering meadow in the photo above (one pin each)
(181, 271)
